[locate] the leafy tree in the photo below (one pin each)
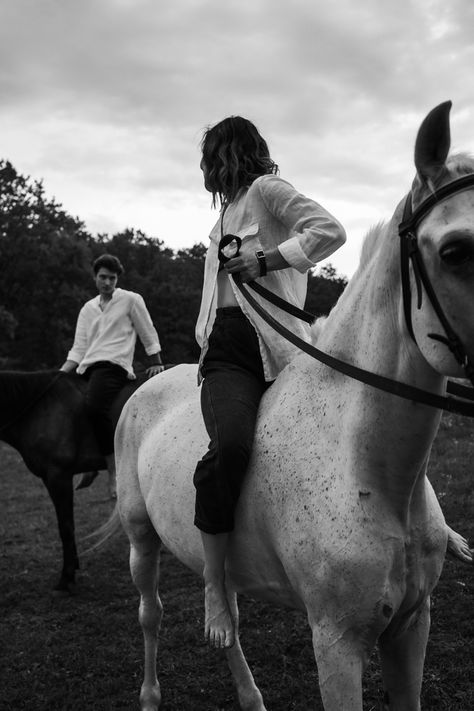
(324, 289)
(43, 251)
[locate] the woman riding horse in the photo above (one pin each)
(282, 234)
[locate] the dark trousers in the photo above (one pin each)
(104, 382)
(233, 385)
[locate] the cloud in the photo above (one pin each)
(107, 99)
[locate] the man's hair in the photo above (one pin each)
(234, 154)
(108, 261)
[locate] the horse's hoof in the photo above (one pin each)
(150, 699)
(64, 590)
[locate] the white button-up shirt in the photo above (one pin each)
(110, 334)
(271, 213)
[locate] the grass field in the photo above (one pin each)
(85, 652)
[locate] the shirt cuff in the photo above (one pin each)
(292, 253)
(153, 349)
(154, 359)
(75, 356)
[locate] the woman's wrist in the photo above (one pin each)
(274, 260)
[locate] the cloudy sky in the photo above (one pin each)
(106, 100)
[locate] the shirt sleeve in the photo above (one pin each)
(80, 344)
(144, 327)
(314, 232)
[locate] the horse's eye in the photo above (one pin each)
(455, 254)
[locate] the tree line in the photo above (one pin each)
(46, 276)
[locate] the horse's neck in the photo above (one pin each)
(393, 436)
(367, 325)
(17, 392)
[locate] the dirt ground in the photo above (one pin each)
(85, 652)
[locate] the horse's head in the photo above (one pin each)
(442, 236)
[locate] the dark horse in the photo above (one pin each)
(43, 416)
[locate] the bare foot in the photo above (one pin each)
(458, 546)
(219, 626)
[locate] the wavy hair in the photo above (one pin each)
(234, 154)
(108, 261)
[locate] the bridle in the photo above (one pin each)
(409, 252)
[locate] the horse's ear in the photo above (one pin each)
(432, 144)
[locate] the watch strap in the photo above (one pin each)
(262, 262)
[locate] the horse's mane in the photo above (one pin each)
(460, 163)
(370, 243)
(19, 389)
(369, 248)
(316, 328)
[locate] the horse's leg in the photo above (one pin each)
(402, 659)
(144, 567)
(341, 662)
(59, 486)
(250, 698)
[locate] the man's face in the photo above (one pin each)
(105, 281)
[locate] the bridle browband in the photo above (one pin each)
(409, 251)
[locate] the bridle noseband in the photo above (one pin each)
(410, 252)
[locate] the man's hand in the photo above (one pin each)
(154, 370)
(68, 366)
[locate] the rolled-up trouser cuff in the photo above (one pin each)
(212, 530)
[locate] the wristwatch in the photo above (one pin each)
(262, 262)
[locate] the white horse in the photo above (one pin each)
(336, 516)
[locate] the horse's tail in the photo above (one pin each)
(102, 534)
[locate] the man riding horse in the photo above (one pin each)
(104, 343)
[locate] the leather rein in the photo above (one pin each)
(409, 253)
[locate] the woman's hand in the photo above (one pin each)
(247, 265)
